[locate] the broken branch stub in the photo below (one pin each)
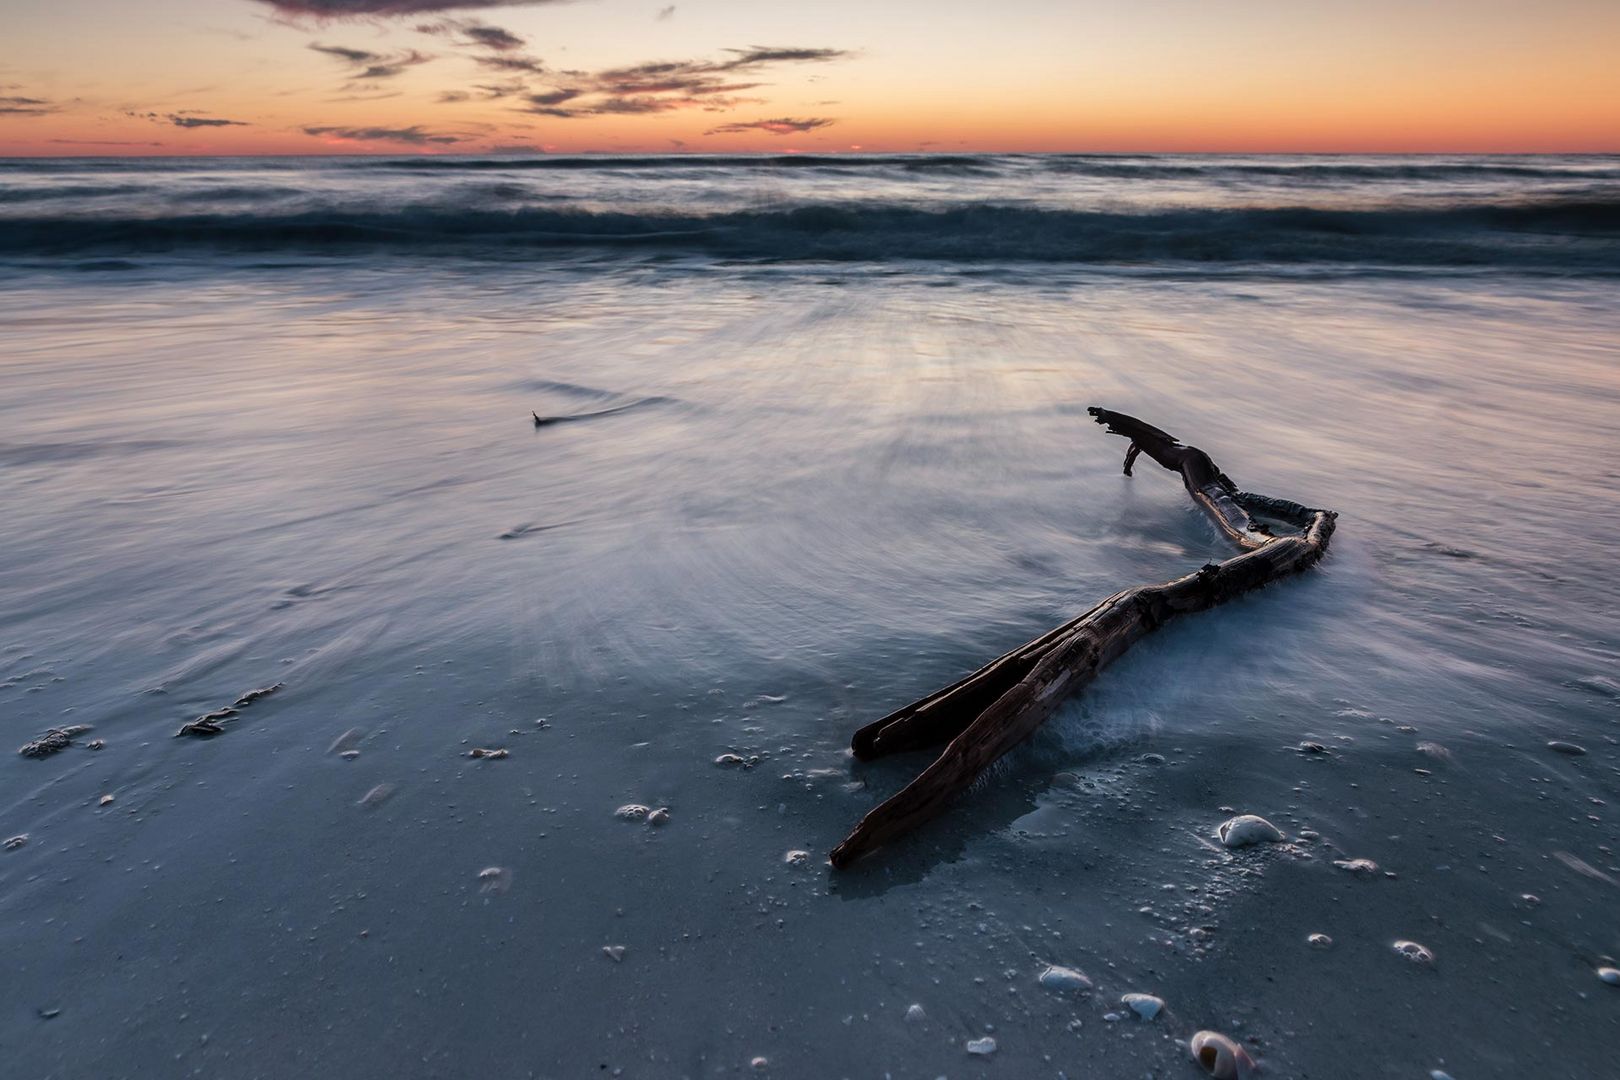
(986, 714)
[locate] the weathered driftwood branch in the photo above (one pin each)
(997, 707)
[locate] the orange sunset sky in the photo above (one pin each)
(722, 76)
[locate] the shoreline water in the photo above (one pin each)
(854, 482)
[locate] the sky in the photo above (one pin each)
(730, 76)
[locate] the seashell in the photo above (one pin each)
(1434, 750)
(797, 858)
(481, 752)
(1221, 1057)
(344, 742)
(614, 953)
(659, 816)
(1358, 867)
(1246, 829)
(1320, 941)
(96, 744)
(494, 879)
(758, 1062)
(1063, 978)
(106, 800)
(915, 1013)
(1144, 1005)
(1609, 975)
(15, 842)
(1414, 952)
(986, 1045)
(632, 812)
(1311, 748)
(1569, 748)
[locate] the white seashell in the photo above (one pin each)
(1358, 867)
(613, 952)
(1221, 1057)
(632, 812)
(659, 816)
(1246, 829)
(986, 1045)
(797, 858)
(1569, 748)
(1609, 975)
(1414, 952)
(758, 1062)
(915, 1013)
(15, 842)
(1144, 1005)
(1320, 941)
(494, 879)
(1062, 978)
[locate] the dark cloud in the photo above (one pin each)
(665, 13)
(98, 142)
(372, 65)
(492, 37)
(497, 62)
(354, 9)
(454, 97)
(353, 56)
(180, 120)
(411, 136)
(393, 66)
(784, 125)
(759, 54)
(659, 86)
(25, 106)
(555, 97)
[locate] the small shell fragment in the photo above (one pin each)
(632, 812)
(106, 800)
(659, 816)
(1220, 1057)
(1320, 941)
(1609, 975)
(1246, 829)
(1414, 952)
(914, 1013)
(1144, 1005)
(797, 858)
(481, 752)
(494, 879)
(15, 842)
(984, 1046)
(1056, 977)
(614, 953)
(377, 795)
(1559, 746)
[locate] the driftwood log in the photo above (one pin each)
(997, 707)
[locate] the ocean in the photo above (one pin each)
(819, 448)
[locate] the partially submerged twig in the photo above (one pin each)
(992, 710)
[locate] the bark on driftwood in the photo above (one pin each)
(997, 707)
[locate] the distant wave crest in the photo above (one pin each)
(1566, 234)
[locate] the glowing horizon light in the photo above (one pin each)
(279, 77)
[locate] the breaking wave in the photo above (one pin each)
(1562, 234)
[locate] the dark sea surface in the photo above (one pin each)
(824, 449)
